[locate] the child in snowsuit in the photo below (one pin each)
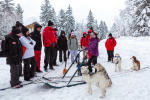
(93, 49)
(73, 46)
(110, 45)
(28, 54)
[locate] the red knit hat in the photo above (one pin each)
(84, 33)
(90, 31)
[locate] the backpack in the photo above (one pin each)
(3, 48)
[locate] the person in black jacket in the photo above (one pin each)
(62, 45)
(14, 55)
(56, 49)
(36, 36)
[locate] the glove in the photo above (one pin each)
(53, 44)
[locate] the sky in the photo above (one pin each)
(106, 10)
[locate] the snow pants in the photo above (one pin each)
(38, 58)
(55, 55)
(92, 61)
(29, 68)
(110, 55)
(60, 55)
(14, 72)
(73, 55)
(49, 57)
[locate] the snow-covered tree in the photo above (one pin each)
(8, 16)
(103, 30)
(115, 30)
(95, 26)
(46, 10)
(90, 21)
(54, 18)
(70, 21)
(61, 19)
(19, 12)
(135, 18)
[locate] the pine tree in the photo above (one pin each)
(103, 30)
(54, 18)
(70, 21)
(90, 21)
(61, 19)
(19, 12)
(135, 18)
(46, 13)
(96, 28)
(8, 16)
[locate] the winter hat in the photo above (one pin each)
(72, 34)
(110, 35)
(24, 31)
(37, 26)
(18, 24)
(15, 30)
(90, 31)
(62, 32)
(50, 23)
(84, 33)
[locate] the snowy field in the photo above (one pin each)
(126, 86)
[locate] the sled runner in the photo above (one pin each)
(70, 83)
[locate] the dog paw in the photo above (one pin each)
(101, 96)
(90, 92)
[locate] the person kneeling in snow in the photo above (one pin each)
(93, 49)
(28, 54)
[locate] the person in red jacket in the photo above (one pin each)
(110, 45)
(84, 44)
(49, 42)
(88, 38)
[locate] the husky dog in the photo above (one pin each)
(100, 77)
(117, 62)
(136, 64)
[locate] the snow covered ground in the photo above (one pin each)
(127, 86)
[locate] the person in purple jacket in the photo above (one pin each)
(93, 48)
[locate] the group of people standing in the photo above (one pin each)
(24, 47)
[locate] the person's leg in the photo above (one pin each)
(47, 57)
(27, 69)
(55, 56)
(112, 55)
(94, 62)
(60, 55)
(37, 59)
(20, 70)
(89, 63)
(65, 58)
(89, 55)
(68, 54)
(72, 55)
(51, 58)
(109, 55)
(33, 67)
(14, 72)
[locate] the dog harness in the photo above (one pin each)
(117, 58)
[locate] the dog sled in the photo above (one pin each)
(63, 81)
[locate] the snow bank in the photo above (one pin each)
(129, 86)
